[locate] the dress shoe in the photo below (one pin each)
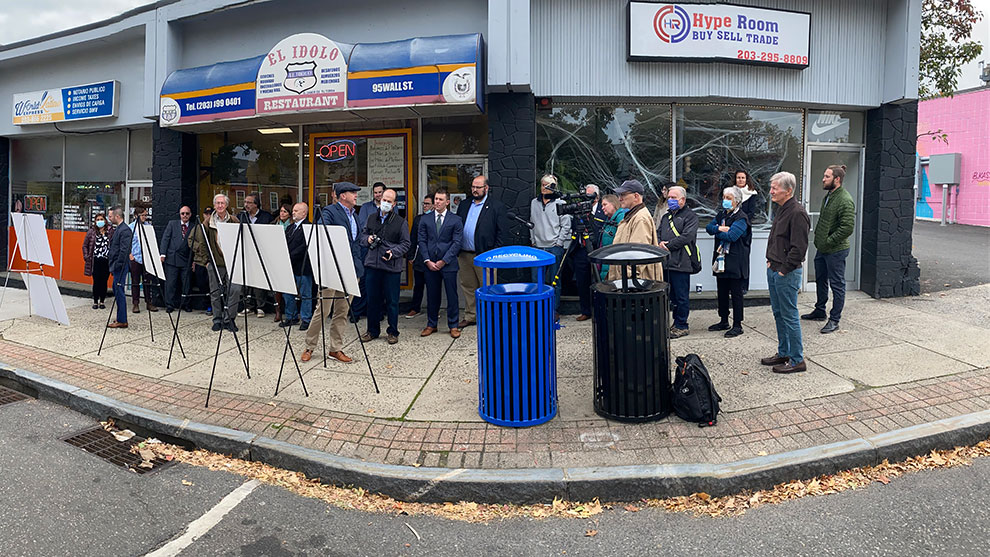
(307, 355)
(278, 317)
(304, 326)
(102, 306)
(392, 339)
(96, 306)
(289, 323)
(136, 309)
(720, 326)
(583, 317)
(217, 327)
(464, 324)
(815, 316)
(428, 331)
(116, 325)
(169, 310)
(354, 318)
(774, 360)
(366, 337)
(830, 327)
(340, 357)
(412, 313)
(785, 368)
(678, 333)
(734, 332)
(231, 326)
(151, 307)
(455, 333)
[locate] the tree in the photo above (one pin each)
(946, 28)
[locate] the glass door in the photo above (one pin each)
(138, 191)
(453, 174)
(817, 160)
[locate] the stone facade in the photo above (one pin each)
(512, 151)
(4, 189)
(174, 174)
(888, 268)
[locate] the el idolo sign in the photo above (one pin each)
(302, 73)
(717, 33)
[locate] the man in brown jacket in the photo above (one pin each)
(206, 252)
(786, 248)
(635, 228)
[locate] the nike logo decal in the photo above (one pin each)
(818, 129)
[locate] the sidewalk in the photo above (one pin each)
(893, 365)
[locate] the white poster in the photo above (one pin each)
(149, 250)
(243, 260)
(32, 240)
(46, 300)
(322, 260)
(302, 73)
(718, 32)
(387, 161)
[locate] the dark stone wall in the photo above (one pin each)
(888, 267)
(4, 193)
(512, 154)
(174, 175)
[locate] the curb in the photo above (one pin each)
(534, 485)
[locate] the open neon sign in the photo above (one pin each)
(337, 150)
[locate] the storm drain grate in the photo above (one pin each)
(9, 395)
(102, 443)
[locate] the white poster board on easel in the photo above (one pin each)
(246, 265)
(150, 254)
(321, 258)
(45, 298)
(32, 239)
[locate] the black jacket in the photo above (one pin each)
(295, 238)
(175, 246)
(680, 244)
(419, 263)
(597, 224)
(737, 260)
(395, 237)
(492, 229)
(120, 250)
(336, 215)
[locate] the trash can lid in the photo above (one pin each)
(513, 257)
(629, 254)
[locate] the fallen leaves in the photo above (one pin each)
(590, 533)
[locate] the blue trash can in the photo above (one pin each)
(517, 341)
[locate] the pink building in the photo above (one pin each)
(965, 119)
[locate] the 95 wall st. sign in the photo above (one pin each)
(717, 33)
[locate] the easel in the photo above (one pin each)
(29, 273)
(143, 241)
(346, 298)
(246, 355)
(182, 302)
(27, 268)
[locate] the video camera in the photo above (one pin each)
(574, 203)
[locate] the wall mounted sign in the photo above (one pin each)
(717, 32)
(80, 102)
(302, 73)
(446, 83)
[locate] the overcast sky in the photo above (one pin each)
(24, 19)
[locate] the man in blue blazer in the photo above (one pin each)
(440, 238)
(341, 213)
(175, 255)
(119, 263)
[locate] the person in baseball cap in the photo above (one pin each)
(635, 228)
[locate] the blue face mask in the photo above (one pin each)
(673, 205)
(726, 204)
(100, 223)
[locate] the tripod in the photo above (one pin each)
(583, 239)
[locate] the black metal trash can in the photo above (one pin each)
(631, 338)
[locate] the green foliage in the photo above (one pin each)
(946, 27)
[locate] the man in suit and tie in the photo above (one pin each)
(440, 239)
(176, 257)
(341, 213)
(119, 263)
(255, 299)
(486, 227)
(295, 238)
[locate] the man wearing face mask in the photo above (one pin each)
(836, 223)
(387, 238)
(678, 231)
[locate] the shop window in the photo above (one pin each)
(94, 177)
(36, 172)
(239, 163)
(140, 159)
(826, 126)
(455, 135)
(713, 141)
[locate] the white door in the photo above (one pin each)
(817, 159)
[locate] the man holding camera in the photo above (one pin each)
(551, 230)
(387, 239)
(486, 227)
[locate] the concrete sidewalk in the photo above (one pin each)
(894, 364)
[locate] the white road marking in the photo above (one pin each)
(204, 523)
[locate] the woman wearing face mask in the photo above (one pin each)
(730, 260)
(610, 206)
(96, 255)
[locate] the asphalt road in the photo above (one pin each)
(954, 255)
(58, 500)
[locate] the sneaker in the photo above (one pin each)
(678, 333)
(243, 312)
(412, 313)
(209, 311)
(815, 316)
(720, 326)
(217, 327)
(734, 332)
(260, 313)
(366, 337)
(830, 327)
(96, 306)
(102, 306)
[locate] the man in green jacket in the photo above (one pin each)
(836, 223)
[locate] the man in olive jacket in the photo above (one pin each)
(836, 223)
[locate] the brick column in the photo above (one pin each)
(174, 175)
(888, 268)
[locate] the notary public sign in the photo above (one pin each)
(302, 73)
(717, 32)
(79, 102)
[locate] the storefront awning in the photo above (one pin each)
(310, 75)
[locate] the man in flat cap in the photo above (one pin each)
(635, 228)
(341, 213)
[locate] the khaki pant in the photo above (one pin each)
(470, 278)
(335, 338)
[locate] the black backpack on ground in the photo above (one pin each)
(694, 397)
